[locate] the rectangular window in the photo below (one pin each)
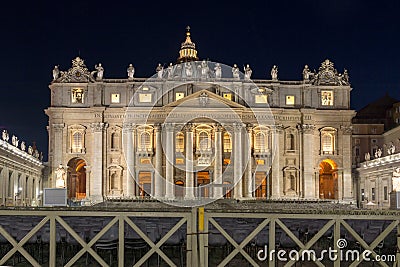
(227, 161)
(261, 99)
(179, 95)
(227, 96)
(115, 98)
(260, 162)
(145, 98)
(290, 100)
(179, 161)
(373, 193)
(385, 193)
(327, 98)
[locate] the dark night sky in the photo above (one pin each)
(361, 36)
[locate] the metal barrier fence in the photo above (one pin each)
(338, 231)
(209, 238)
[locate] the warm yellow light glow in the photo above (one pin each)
(179, 95)
(289, 100)
(114, 98)
(260, 162)
(179, 161)
(227, 96)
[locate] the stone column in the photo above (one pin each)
(346, 154)
(217, 192)
(158, 174)
(250, 178)
(308, 160)
(96, 185)
(58, 150)
(237, 161)
(130, 153)
(89, 181)
(276, 185)
(169, 168)
(189, 184)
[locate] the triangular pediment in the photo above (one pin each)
(204, 99)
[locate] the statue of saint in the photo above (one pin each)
(392, 148)
(367, 156)
(23, 146)
(14, 141)
(60, 177)
(204, 69)
(5, 136)
(274, 73)
(247, 72)
(100, 72)
(30, 150)
(235, 71)
(160, 71)
(130, 70)
(188, 69)
(170, 70)
(56, 72)
(346, 76)
(306, 73)
(218, 71)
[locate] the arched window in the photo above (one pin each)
(180, 142)
(327, 143)
(115, 141)
(227, 143)
(145, 141)
(203, 141)
(260, 142)
(77, 142)
(328, 136)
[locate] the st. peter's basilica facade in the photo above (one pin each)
(199, 129)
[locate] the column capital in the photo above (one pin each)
(189, 127)
(218, 127)
(98, 126)
(58, 126)
(169, 127)
(346, 130)
(128, 126)
(278, 127)
(158, 127)
(306, 128)
(237, 126)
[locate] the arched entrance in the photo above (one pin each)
(328, 179)
(76, 180)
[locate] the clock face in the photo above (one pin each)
(78, 75)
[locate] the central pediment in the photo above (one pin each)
(205, 99)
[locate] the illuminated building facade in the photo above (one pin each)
(102, 133)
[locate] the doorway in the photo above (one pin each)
(328, 179)
(76, 180)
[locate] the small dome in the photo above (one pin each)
(188, 50)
